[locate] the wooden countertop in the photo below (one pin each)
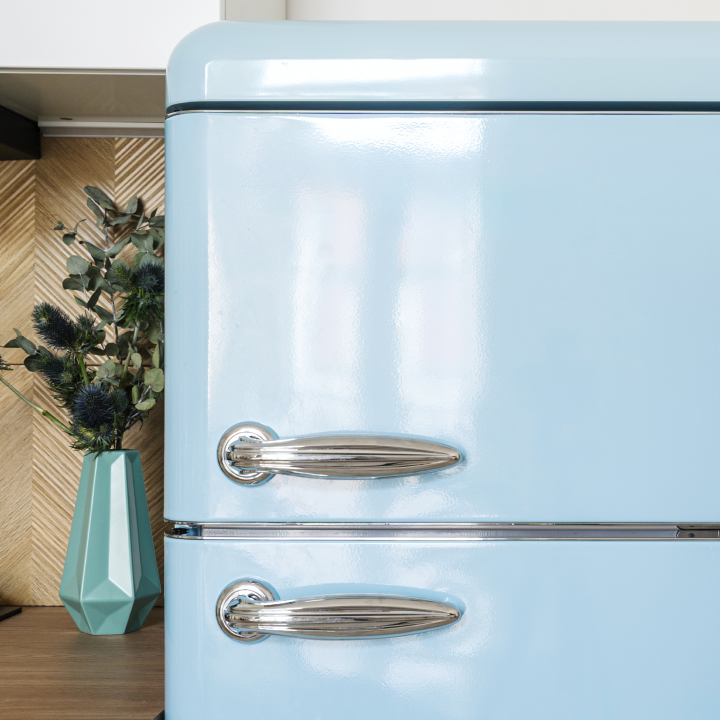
(49, 670)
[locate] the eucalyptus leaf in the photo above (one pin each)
(93, 299)
(32, 363)
(135, 394)
(158, 221)
(99, 282)
(24, 343)
(99, 197)
(108, 370)
(98, 255)
(99, 215)
(154, 335)
(92, 271)
(59, 226)
(136, 360)
(132, 206)
(77, 225)
(95, 282)
(117, 247)
(124, 341)
(101, 325)
(147, 258)
(68, 238)
(141, 220)
(155, 379)
(156, 357)
(72, 283)
(142, 241)
(77, 265)
(79, 301)
(146, 404)
(121, 220)
(103, 314)
(111, 349)
(158, 239)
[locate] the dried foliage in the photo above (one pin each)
(103, 403)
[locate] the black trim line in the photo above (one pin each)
(443, 106)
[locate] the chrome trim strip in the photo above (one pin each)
(445, 531)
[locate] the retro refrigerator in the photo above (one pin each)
(443, 371)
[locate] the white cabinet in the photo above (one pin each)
(98, 34)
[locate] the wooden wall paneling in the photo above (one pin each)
(16, 488)
(17, 213)
(17, 217)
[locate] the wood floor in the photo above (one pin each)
(49, 670)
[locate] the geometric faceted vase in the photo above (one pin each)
(110, 580)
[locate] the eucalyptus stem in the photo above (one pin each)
(83, 370)
(112, 295)
(44, 413)
(127, 359)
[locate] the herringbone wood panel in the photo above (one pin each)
(40, 470)
(17, 210)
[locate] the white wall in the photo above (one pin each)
(503, 9)
(101, 34)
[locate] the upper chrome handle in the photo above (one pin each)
(250, 453)
(248, 611)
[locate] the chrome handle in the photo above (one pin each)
(250, 453)
(248, 611)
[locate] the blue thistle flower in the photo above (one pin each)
(144, 294)
(149, 278)
(93, 407)
(54, 326)
(51, 367)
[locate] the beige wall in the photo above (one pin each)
(39, 473)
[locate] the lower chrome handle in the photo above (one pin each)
(248, 611)
(250, 453)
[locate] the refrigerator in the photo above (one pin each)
(443, 371)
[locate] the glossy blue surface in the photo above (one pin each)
(551, 630)
(497, 61)
(539, 290)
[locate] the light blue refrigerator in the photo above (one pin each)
(443, 371)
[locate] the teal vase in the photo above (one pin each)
(110, 580)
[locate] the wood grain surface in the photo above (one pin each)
(49, 670)
(39, 473)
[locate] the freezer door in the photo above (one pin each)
(554, 630)
(538, 292)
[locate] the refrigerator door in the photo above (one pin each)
(557, 630)
(537, 291)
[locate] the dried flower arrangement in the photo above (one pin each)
(104, 402)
